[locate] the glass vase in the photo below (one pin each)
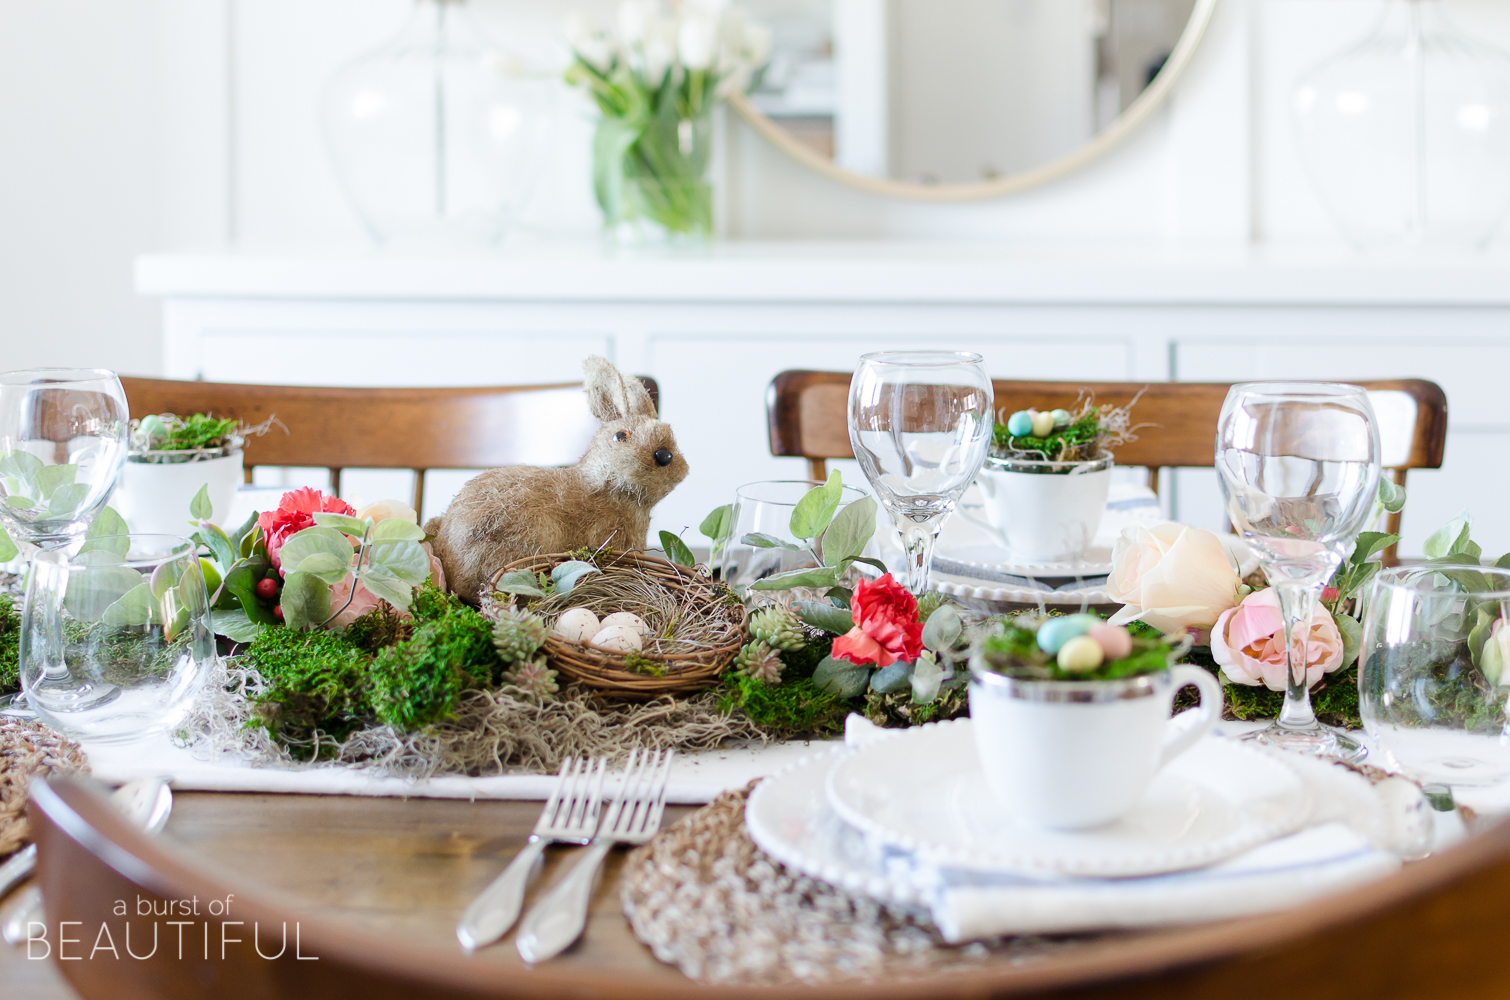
(1406, 135)
(652, 184)
(436, 135)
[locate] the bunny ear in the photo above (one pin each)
(607, 395)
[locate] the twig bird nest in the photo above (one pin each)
(695, 625)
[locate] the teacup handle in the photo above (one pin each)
(991, 529)
(1182, 731)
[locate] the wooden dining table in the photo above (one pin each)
(407, 868)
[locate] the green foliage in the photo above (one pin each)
(200, 431)
(316, 681)
(421, 680)
(792, 708)
(432, 604)
(10, 646)
(1077, 441)
(676, 550)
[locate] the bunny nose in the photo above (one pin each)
(663, 457)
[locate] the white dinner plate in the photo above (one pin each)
(923, 793)
(788, 817)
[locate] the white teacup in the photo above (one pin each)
(1074, 754)
(1043, 510)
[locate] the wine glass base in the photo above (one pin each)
(1318, 741)
(15, 706)
(69, 695)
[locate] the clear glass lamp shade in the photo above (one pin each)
(437, 136)
(1406, 135)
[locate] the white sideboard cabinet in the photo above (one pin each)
(714, 325)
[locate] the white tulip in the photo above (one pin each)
(635, 18)
(657, 58)
(696, 42)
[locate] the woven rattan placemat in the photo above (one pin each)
(28, 749)
(704, 898)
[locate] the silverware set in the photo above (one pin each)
(576, 814)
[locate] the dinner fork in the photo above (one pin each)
(570, 816)
(559, 919)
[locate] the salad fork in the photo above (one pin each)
(633, 818)
(570, 816)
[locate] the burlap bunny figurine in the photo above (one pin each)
(522, 510)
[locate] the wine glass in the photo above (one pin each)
(1434, 672)
(1299, 469)
(64, 437)
(920, 423)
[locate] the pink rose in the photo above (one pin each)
(1248, 642)
(296, 511)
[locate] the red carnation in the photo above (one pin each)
(886, 629)
(296, 511)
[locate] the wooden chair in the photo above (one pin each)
(415, 429)
(1431, 930)
(807, 414)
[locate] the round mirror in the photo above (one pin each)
(956, 99)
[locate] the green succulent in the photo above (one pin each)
(518, 634)
(778, 628)
(758, 660)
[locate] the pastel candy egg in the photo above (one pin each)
(628, 619)
(1115, 641)
(577, 625)
(623, 639)
(1054, 633)
(1043, 424)
(1020, 424)
(1080, 654)
(1061, 418)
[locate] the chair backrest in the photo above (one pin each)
(807, 412)
(1432, 917)
(417, 429)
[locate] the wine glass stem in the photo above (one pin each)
(917, 549)
(1297, 602)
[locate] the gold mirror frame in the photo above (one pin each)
(1136, 114)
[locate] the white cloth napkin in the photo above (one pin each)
(1357, 832)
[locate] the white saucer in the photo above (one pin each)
(923, 792)
(985, 562)
(788, 817)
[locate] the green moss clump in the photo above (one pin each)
(1334, 699)
(1077, 442)
(10, 646)
(897, 710)
(430, 603)
(791, 708)
(420, 681)
(1012, 649)
(315, 681)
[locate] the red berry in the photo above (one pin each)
(278, 612)
(267, 589)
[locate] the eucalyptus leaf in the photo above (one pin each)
(306, 600)
(823, 615)
(315, 541)
(566, 575)
(892, 678)
(396, 529)
(1451, 539)
(234, 625)
(17, 502)
(943, 628)
(21, 465)
(135, 607)
(200, 508)
(676, 550)
(840, 677)
(325, 566)
(68, 498)
(821, 576)
(8, 550)
(221, 549)
(1503, 562)
(95, 589)
(50, 478)
(816, 509)
(407, 561)
(519, 583)
(761, 540)
(849, 532)
(1391, 495)
(1352, 639)
(390, 588)
(344, 523)
(719, 524)
(927, 677)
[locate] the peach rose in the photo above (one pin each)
(384, 509)
(362, 602)
(1248, 643)
(1171, 576)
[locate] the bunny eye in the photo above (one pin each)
(621, 436)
